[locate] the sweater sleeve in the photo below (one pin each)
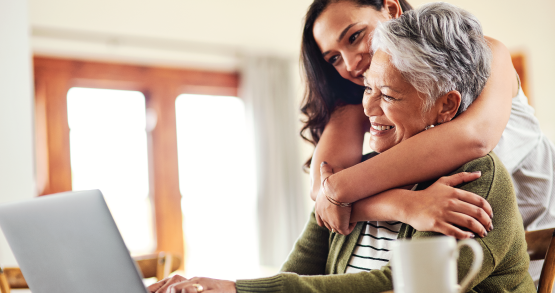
(310, 253)
(375, 281)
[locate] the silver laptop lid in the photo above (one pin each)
(68, 242)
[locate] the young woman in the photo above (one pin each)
(335, 53)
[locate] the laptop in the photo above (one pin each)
(69, 242)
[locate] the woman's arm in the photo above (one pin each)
(310, 252)
(439, 150)
(439, 208)
(341, 142)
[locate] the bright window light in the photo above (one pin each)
(217, 182)
(108, 146)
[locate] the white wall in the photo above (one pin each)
(17, 179)
(529, 27)
(208, 33)
(250, 24)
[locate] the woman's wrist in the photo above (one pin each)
(331, 195)
(331, 188)
(391, 205)
(339, 185)
(403, 204)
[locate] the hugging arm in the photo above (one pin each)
(425, 156)
(341, 142)
(439, 208)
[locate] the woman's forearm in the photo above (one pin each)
(341, 142)
(385, 206)
(442, 149)
(439, 208)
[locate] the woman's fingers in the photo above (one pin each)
(350, 228)
(184, 287)
(328, 226)
(450, 230)
(208, 286)
(321, 222)
(476, 207)
(343, 226)
(469, 222)
(320, 202)
(318, 219)
(158, 285)
(166, 284)
(335, 218)
(154, 287)
(448, 210)
(460, 178)
(476, 200)
(325, 171)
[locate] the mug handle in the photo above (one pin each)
(476, 263)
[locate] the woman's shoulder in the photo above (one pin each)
(505, 244)
(494, 176)
(485, 164)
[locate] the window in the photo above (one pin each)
(108, 149)
(154, 91)
(217, 182)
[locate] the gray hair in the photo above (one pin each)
(437, 48)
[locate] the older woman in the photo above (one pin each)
(428, 66)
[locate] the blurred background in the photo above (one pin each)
(185, 114)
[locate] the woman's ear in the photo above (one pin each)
(448, 105)
(393, 8)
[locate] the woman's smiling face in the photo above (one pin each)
(392, 104)
(342, 33)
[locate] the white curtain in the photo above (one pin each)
(272, 110)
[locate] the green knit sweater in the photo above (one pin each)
(319, 259)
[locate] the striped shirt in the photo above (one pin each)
(373, 249)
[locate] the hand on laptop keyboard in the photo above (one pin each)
(179, 284)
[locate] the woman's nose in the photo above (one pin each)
(366, 104)
(352, 61)
(371, 105)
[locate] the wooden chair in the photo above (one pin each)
(541, 246)
(157, 266)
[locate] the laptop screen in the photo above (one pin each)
(68, 242)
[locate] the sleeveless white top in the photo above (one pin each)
(530, 159)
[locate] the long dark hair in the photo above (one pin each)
(325, 89)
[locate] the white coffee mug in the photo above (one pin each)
(429, 265)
